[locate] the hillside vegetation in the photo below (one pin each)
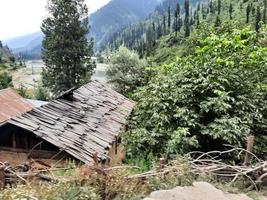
(7, 64)
(208, 80)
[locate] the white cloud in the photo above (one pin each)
(19, 17)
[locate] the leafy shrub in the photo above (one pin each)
(22, 91)
(41, 93)
(5, 80)
(126, 71)
(216, 95)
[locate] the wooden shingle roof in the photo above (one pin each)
(87, 124)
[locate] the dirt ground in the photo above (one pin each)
(199, 191)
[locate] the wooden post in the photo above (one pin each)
(95, 157)
(162, 163)
(248, 156)
(116, 145)
(14, 145)
(2, 178)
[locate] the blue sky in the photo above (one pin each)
(20, 17)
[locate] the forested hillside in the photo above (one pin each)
(117, 14)
(7, 63)
(206, 83)
(175, 20)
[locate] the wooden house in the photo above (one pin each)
(81, 124)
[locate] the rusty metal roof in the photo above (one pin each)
(12, 104)
(83, 125)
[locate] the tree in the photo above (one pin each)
(211, 7)
(187, 18)
(1, 45)
(219, 7)
(231, 10)
(218, 21)
(215, 96)
(126, 71)
(5, 80)
(177, 18)
(265, 12)
(258, 19)
(66, 51)
(164, 25)
(248, 10)
(169, 19)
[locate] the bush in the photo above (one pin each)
(41, 93)
(127, 71)
(22, 91)
(5, 80)
(215, 96)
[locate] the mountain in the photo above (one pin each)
(116, 15)
(141, 36)
(5, 52)
(23, 41)
(104, 23)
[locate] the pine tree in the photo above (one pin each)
(248, 10)
(164, 25)
(258, 19)
(154, 33)
(197, 20)
(218, 21)
(177, 18)
(231, 10)
(187, 18)
(204, 11)
(265, 12)
(219, 7)
(169, 19)
(211, 7)
(66, 51)
(1, 45)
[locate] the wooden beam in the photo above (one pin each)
(2, 178)
(250, 144)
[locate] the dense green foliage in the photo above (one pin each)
(66, 51)
(217, 95)
(183, 18)
(41, 93)
(126, 71)
(5, 80)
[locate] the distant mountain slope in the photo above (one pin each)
(5, 52)
(104, 23)
(116, 15)
(24, 41)
(136, 35)
(28, 46)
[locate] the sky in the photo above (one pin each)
(20, 17)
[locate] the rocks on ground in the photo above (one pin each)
(199, 191)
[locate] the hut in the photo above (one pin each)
(83, 124)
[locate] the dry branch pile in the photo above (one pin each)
(23, 173)
(211, 163)
(194, 164)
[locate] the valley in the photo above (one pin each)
(140, 100)
(30, 75)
